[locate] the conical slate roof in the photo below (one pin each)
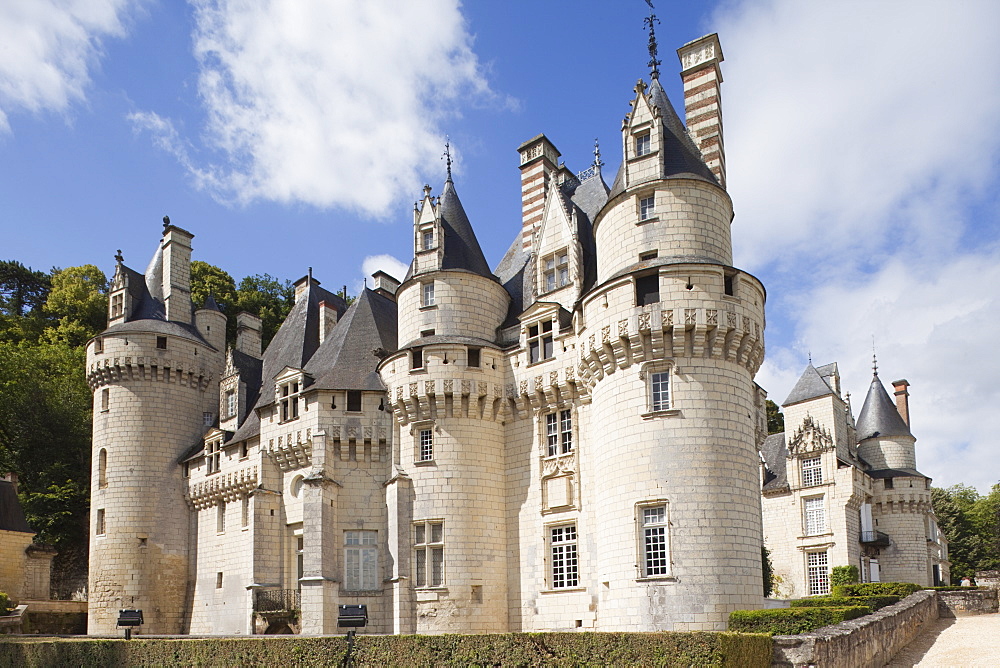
(461, 248)
(211, 304)
(811, 385)
(346, 360)
(11, 513)
(879, 416)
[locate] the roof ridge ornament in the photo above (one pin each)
(119, 258)
(597, 154)
(447, 154)
(653, 63)
(874, 358)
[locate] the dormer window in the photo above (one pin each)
(540, 345)
(213, 457)
(556, 270)
(427, 240)
(117, 306)
(231, 403)
(643, 145)
(289, 393)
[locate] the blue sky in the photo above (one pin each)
(862, 140)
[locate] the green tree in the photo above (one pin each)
(767, 570)
(775, 419)
(45, 434)
(268, 298)
(78, 303)
(22, 289)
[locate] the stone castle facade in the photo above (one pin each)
(566, 441)
(840, 492)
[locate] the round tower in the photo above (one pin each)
(155, 384)
(445, 387)
(673, 339)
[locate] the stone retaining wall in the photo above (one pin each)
(989, 579)
(867, 641)
(964, 603)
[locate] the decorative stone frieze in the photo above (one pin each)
(222, 487)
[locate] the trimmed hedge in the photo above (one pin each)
(791, 621)
(725, 650)
(901, 589)
(873, 602)
(954, 588)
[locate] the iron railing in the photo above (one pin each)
(276, 600)
(876, 538)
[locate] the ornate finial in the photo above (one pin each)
(118, 256)
(597, 154)
(166, 223)
(447, 154)
(427, 190)
(874, 358)
(654, 64)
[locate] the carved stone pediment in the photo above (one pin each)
(810, 437)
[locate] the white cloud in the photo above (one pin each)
(47, 49)
(850, 124)
(330, 103)
(387, 263)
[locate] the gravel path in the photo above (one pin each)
(961, 642)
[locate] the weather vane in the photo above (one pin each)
(447, 155)
(119, 258)
(597, 154)
(874, 358)
(654, 64)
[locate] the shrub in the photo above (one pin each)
(4, 603)
(902, 589)
(791, 621)
(873, 602)
(844, 575)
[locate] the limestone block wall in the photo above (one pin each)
(901, 512)
(149, 406)
(692, 219)
(13, 562)
(897, 452)
(465, 304)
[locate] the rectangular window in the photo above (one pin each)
(556, 270)
(105, 399)
(565, 562)
(98, 345)
(815, 516)
(729, 284)
(218, 580)
(473, 360)
(642, 145)
(161, 342)
(245, 512)
(819, 576)
(428, 239)
(244, 450)
(647, 208)
(117, 306)
(360, 560)
(207, 419)
(354, 401)
(220, 517)
(427, 295)
(417, 358)
(289, 401)
(559, 433)
(213, 456)
(647, 256)
(812, 472)
(100, 528)
(655, 559)
(231, 403)
(426, 445)
(659, 387)
(428, 553)
(647, 290)
(540, 342)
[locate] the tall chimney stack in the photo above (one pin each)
(177, 272)
(248, 334)
(539, 164)
(702, 77)
(902, 399)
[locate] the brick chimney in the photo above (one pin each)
(248, 334)
(703, 101)
(177, 273)
(385, 285)
(902, 399)
(327, 319)
(539, 164)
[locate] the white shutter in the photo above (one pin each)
(874, 567)
(866, 517)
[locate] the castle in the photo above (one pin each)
(567, 441)
(840, 492)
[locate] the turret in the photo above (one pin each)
(884, 438)
(210, 322)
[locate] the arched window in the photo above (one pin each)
(102, 468)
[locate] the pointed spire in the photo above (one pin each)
(654, 63)
(447, 155)
(879, 416)
(874, 358)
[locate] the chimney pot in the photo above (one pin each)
(902, 399)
